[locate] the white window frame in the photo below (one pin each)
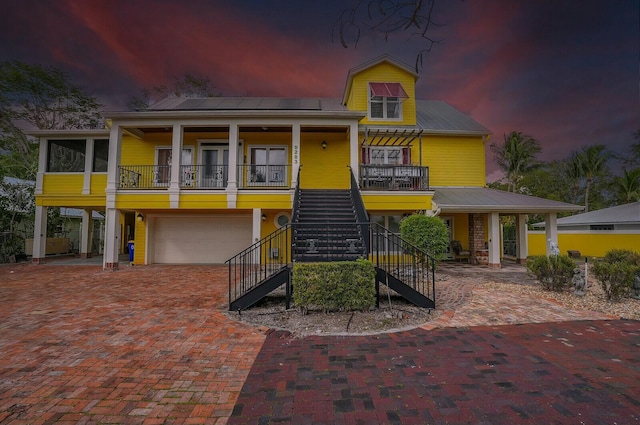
(386, 102)
(156, 177)
(268, 181)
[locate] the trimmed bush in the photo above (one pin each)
(430, 234)
(340, 285)
(616, 272)
(554, 272)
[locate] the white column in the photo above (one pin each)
(115, 143)
(257, 224)
(295, 154)
(42, 165)
(39, 235)
(551, 231)
(353, 150)
(522, 239)
(86, 233)
(176, 162)
(111, 239)
(88, 167)
(494, 240)
(232, 183)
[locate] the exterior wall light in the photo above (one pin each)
(264, 217)
(324, 144)
(140, 217)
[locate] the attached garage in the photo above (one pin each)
(198, 239)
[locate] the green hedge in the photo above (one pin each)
(340, 285)
(554, 272)
(616, 272)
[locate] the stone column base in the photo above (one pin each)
(37, 260)
(111, 266)
(495, 265)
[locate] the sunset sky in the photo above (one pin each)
(565, 72)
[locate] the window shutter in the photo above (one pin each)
(406, 156)
(365, 155)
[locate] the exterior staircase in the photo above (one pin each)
(325, 227)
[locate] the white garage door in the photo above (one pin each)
(193, 240)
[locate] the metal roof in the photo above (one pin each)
(482, 199)
(621, 214)
(438, 117)
(248, 103)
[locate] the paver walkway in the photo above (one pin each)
(147, 345)
(152, 345)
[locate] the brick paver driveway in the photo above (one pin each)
(141, 345)
(151, 345)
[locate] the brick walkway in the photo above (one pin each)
(146, 345)
(152, 345)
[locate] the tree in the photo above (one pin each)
(573, 173)
(593, 160)
(387, 17)
(516, 156)
(429, 234)
(44, 98)
(188, 85)
(627, 186)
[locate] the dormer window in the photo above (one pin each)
(385, 101)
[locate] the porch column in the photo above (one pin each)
(39, 236)
(353, 150)
(257, 225)
(88, 167)
(176, 163)
(476, 238)
(111, 239)
(494, 240)
(115, 142)
(42, 165)
(551, 231)
(232, 182)
(86, 234)
(522, 240)
(295, 154)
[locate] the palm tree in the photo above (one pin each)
(628, 186)
(516, 157)
(573, 172)
(594, 162)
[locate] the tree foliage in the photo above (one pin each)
(593, 164)
(387, 17)
(627, 186)
(189, 85)
(43, 98)
(429, 234)
(516, 156)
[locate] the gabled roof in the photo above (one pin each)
(482, 199)
(437, 117)
(621, 214)
(380, 59)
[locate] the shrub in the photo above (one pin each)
(616, 271)
(554, 272)
(340, 285)
(429, 234)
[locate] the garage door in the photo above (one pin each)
(192, 240)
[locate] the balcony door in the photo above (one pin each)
(267, 166)
(162, 172)
(214, 165)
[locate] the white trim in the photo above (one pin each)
(588, 232)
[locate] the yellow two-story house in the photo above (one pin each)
(196, 180)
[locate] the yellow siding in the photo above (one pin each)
(203, 201)
(98, 184)
(589, 244)
(460, 228)
(140, 242)
(142, 201)
(62, 184)
(279, 201)
(358, 98)
(142, 152)
(324, 168)
(453, 161)
(394, 202)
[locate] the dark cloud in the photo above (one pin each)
(564, 72)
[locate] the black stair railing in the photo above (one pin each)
(361, 211)
(403, 261)
(253, 266)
